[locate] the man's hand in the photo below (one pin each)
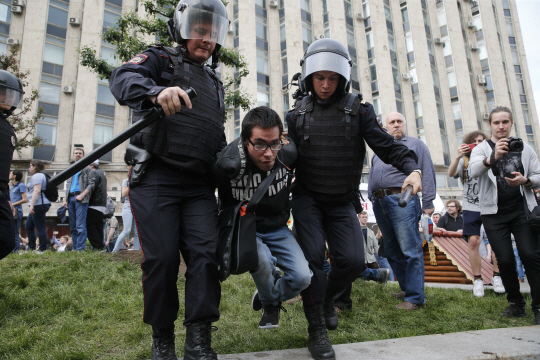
(284, 139)
(12, 208)
(415, 180)
(518, 180)
(501, 148)
(169, 100)
(428, 211)
(79, 197)
(64, 203)
(462, 150)
(32, 210)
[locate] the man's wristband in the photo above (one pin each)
(528, 182)
(485, 163)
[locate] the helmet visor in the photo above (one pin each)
(327, 61)
(10, 97)
(201, 24)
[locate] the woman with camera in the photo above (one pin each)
(39, 205)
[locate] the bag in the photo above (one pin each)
(237, 247)
(50, 192)
(534, 218)
(427, 228)
(109, 208)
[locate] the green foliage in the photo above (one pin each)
(89, 306)
(24, 125)
(128, 37)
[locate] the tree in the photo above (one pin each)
(25, 126)
(155, 24)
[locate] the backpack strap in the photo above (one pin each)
(303, 114)
(349, 104)
(465, 166)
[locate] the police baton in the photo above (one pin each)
(406, 196)
(153, 115)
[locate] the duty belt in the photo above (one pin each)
(385, 192)
(75, 193)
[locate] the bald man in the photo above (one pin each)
(399, 226)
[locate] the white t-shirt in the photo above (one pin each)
(470, 189)
(37, 178)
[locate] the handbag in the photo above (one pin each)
(237, 247)
(533, 217)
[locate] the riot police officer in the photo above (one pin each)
(329, 126)
(11, 93)
(173, 202)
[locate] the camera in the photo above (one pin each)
(515, 144)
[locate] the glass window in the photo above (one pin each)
(452, 79)
(350, 39)
(102, 133)
(263, 99)
(409, 44)
(53, 54)
(49, 93)
(456, 109)
(418, 109)
(57, 17)
(261, 31)
(307, 35)
(262, 65)
(47, 133)
(109, 19)
(369, 40)
(104, 95)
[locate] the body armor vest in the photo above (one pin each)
(7, 142)
(193, 133)
(330, 146)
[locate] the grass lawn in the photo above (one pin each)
(89, 306)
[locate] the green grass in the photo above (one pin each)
(89, 306)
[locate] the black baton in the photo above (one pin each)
(406, 196)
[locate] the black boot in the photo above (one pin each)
(163, 344)
(330, 314)
(318, 343)
(199, 342)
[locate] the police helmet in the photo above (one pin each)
(190, 13)
(326, 55)
(11, 93)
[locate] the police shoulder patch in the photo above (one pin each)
(138, 59)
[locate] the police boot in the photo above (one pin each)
(199, 342)
(163, 344)
(318, 343)
(330, 313)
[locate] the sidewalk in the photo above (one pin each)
(508, 343)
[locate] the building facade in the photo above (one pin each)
(445, 64)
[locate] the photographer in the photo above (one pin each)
(507, 171)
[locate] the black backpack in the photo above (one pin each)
(50, 192)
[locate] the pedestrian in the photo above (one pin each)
(452, 220)
(127, 220)
(97, 188)
(173, 202)
(17, 195)
(329, 126)
(508, 170)
(111, 233)
(38, 206)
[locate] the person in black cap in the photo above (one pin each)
(11, 93)
(173, 202)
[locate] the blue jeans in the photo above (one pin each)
(383, 262)
(127, 218)
(19, 214)
(402, 243)
(37, 221)
(77, 223)
(279, 247)
(370, 274)
(519, 265)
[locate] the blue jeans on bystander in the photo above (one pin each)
(77, 223)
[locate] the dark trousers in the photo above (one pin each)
(7, 227)
(35, 222)
(173, 218)
(94, 228)
(344, 237)
(498, 228)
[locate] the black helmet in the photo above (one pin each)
(11, 92)
(191, 12)
(326, 55)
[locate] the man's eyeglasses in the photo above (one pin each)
(30, 165)
(263, 147)
(449, 206)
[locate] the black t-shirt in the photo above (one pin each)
(448, 223)
(7, 146)
(509, 197)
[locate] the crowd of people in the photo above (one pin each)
(182, 158)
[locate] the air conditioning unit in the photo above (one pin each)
(318, 37)
(482, 80)
(474, 47)
(359, 16)
(16, 9)
(485, 116)
(273, 3)
(73, 21)
(13, 41)
(68, 89)
(406, 76)
(17, 2)
(438, 41)
(231, 29)
(470, 24)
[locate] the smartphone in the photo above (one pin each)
(471, 146)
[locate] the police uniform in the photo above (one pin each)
(173, 204)
(7, 223)
(330, 140)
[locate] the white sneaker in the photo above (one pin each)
(498, 286)
(478, 288)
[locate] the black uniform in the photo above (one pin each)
(7, 224)
(174, 205)
(331, 150)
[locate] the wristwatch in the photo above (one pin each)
(418, 171)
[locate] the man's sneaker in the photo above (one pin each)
(478, 288)
(498, 286)
(270, 316)
(537, 317)
(256, 303)
(383, 276)
(514, 310)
